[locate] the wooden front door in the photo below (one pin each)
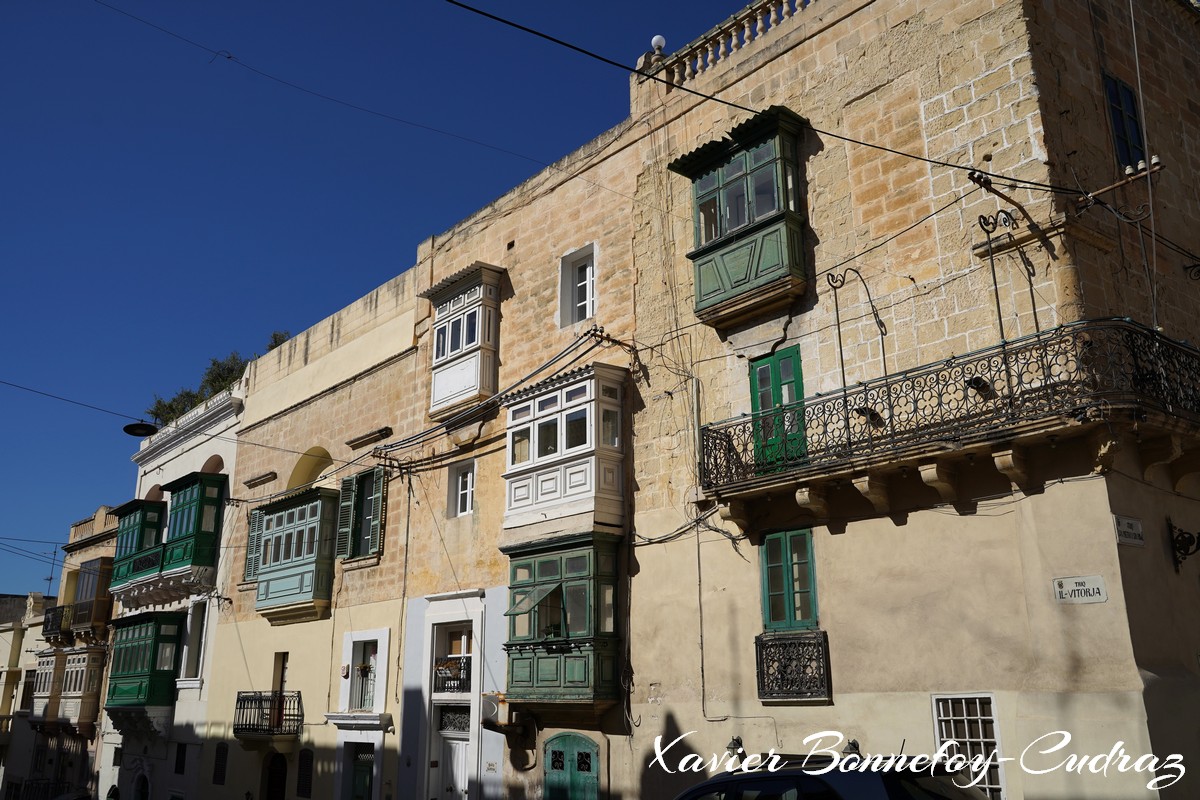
(571, 762)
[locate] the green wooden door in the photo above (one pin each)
(571, 763)
(776, 392)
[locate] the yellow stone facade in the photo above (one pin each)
(935, 558)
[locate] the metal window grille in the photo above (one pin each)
(969, 723)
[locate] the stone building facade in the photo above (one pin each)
(844, 386)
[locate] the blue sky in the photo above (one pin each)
(161, 206)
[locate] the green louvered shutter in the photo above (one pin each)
(378, 505)
(345, 517)
(254, 545)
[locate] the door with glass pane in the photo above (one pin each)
(776, 395)
(571, 762)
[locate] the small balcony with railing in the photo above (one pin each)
(161, 563)
(452, 675)
(268, 719)
(56, 625)
(1072, 386)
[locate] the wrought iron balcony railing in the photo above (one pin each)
(362, 687)
(793, 666)
(1081, 371)
(268, 714)
(452, 674)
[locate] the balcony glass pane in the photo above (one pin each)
(765, 196)
(547, 438)
(518, 447)
(576, 603)
(709, 219)
(610, 427)
(607, 607)
(577, 428)
(733, 197)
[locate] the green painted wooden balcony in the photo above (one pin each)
(564, 671)
(150, 569)
(142, 671)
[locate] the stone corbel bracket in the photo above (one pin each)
(735, 512)
(1015, 466)
(813, 500)
(942, 476)
(874, 487)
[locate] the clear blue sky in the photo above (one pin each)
(160, 206)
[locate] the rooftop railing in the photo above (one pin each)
(1074, 373)
(741, 31)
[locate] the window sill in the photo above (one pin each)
(360, 562)
(189, 683)
(247, 586)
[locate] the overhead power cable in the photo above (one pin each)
(650, 76)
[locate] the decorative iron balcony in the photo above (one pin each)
(452, 674)
(793, 666)
(268, 714)
(1077, 372)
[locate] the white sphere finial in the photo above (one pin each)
(658, 43)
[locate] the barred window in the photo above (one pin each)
(969, 723)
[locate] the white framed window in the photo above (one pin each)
(577, 287)
(969, 723)
(364, 671)
(462, 489)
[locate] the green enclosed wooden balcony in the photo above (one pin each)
(562, 645)
(153, 566)
(749, 227)
(145, 661)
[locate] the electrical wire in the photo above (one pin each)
(1028, 184)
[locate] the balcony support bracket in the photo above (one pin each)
(812, 499)
(735, 511)
(1159, 451)
(1014, 466)
(942, 476)
(874, 487)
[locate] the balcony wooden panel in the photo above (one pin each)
(563, 671)
(751, 273)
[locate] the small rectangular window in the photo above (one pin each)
(577, 284)
(1126, 121)
(462, 489)
(180, 758)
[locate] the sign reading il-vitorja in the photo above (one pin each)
(1049, 753)
(1080, 589)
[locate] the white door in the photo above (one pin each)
(454, 768)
